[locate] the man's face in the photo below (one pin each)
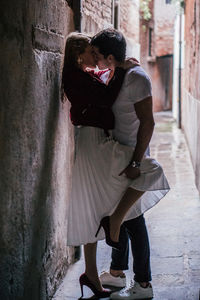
(101, 61)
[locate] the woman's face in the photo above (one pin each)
(88, 58)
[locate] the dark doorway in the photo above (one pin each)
(165, 66)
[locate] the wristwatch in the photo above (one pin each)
(135, 164)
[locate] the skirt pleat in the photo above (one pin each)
(97, 187)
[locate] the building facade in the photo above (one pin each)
(123, 15)
(156, 41)
(190, 106)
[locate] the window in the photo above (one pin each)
(150, 41)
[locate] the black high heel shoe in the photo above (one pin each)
(105, 223)
(84, 280)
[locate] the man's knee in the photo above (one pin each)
(136, 228)
(134, 222)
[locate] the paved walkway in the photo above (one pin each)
(173, 225)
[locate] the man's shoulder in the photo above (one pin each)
(136, 75)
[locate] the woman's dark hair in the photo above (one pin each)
(110, 41)
(76, 44)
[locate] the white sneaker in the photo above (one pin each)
(135, 291)
(107, 279)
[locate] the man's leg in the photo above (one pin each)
(120, 257)
(140, 288)
(140, 248)
(119, 263)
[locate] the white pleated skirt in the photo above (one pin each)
(97, 187)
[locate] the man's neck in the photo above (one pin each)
(112, 68)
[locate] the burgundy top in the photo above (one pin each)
(91, 100)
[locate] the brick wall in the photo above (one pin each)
(129, 19)
(191, 84)
(99, 14)
(164, 16)
(96, 15)
(192, 48)
(130, 26)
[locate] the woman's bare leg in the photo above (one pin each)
(116, 219)
(90, 251)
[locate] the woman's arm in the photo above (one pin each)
(82, 88)
(91, 99)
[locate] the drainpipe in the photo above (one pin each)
(182, 11)
(77, 10)
(180, 77)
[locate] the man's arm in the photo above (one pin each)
(145, 115)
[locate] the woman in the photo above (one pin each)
(98, 192)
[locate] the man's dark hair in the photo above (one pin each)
(110, 41)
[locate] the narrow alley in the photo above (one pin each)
(174, 225)
(37, 139)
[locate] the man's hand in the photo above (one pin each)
(131, 172)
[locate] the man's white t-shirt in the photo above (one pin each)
(136, 87)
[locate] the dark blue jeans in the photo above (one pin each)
(136, 230)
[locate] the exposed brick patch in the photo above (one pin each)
(97, 14)
(192, 48)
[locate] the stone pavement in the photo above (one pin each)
(173, 225)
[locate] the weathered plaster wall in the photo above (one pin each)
(164, 16)
(156, 51)
(129, 19)
(130, 26)
(191, 83)
(36, 149)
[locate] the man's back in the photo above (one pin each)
(136, 87)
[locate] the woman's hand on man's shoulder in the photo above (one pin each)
(130, 62)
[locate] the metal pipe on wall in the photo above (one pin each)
(77, 10)
(180, 67)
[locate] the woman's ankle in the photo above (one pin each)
(95, 280)
(116, 220)
(91, 275)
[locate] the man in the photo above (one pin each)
(134, 127)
